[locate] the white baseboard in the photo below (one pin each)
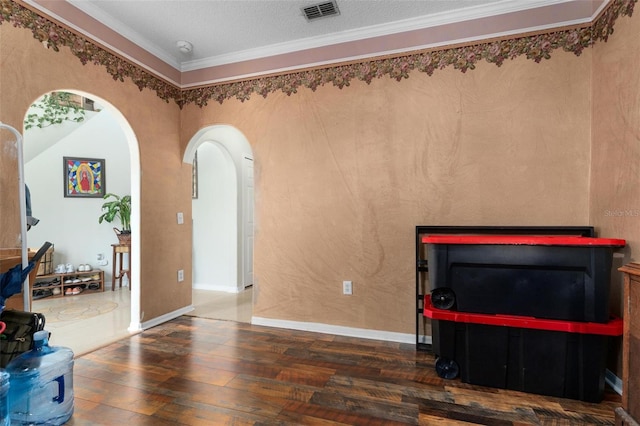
(363, 333)
(134, 327)
(614, 381)
(166, 317)
(427, 340)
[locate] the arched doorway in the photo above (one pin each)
(82, 245)
(230, 150)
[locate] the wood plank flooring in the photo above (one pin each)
(196, 371)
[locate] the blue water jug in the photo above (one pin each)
(4, 394)
(41, 384)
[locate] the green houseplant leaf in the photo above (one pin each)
(53, 109)
(118, 207)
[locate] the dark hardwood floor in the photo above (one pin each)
(195, 371)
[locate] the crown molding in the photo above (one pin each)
(444, 19)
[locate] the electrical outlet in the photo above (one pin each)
(180, 275)
(180, 218)
(347, 287)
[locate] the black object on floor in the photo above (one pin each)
(548, 357)
(543, 276)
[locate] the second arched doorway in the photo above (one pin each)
(224, 204)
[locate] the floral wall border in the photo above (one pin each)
(536, 47)
(54, 36)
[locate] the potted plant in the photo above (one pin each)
(118, 207)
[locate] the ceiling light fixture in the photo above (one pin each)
(184, 46)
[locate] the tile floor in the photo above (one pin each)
(81, 323)
(223, 306)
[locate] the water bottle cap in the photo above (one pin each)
(41, 335)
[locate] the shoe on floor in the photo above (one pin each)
(40, 294)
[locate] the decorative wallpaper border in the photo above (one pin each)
(535, 47)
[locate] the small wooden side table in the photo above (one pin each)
(118, 251)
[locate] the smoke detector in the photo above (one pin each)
(321, 10)
(184, 46)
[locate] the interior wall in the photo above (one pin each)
(10, 237)
(215, 221)
(615, 167)
(28, 71)
(615, 170)
(344, 176)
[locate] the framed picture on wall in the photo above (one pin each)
(84, 177)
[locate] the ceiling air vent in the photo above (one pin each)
(321, 10)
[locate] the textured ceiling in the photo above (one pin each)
(218, 28)
(240, 38)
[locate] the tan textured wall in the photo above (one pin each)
(615, 193)
(344, 176)
(28, 70)
(615, 168)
